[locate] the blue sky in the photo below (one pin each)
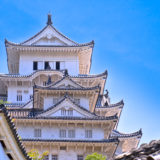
(127, 44)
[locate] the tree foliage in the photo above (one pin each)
(35, 155)
(95, 156)
(3, 102)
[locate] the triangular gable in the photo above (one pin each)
(49, 36)
(65, 82)
(67, 104)
(28, 105)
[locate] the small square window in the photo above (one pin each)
(62, 133)
(71, 133)
(80, 157)
(54, 157)
(37, 133)
(88, 133)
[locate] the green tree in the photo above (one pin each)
(95, 156)
(3, 102)
(34, 154)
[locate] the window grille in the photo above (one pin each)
(44, 83)
(88, 134)
(70, 112)
(26, 91)
(54, 157)
(37, 133)
(79, 157)
(63, 112)
(62, 133)
(77, 100)
(19, 96)
(71, 133)
(19, 83)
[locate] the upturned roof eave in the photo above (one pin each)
(78, 46)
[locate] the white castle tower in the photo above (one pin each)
(57, 104)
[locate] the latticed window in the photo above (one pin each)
(88, 133)
(37, 132)
(44, 83)
(19, 95)
(79, 157)
(54, 157)
(70, 112)
(63, 112)
(71, 133)
(77, 100)
(62, 133)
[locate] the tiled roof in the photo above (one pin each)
(65, 77)
(72, 118)
(91, 44)
(118, 134)
(14, 132)
(71, 140)
(149, 151)
(66, 88)
(98, 105)
(51, 70)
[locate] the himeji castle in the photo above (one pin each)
(58, 106)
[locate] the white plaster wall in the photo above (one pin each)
(64, 155)
(48, 102)
(12, 93)
(26, 62)
(84, 102)
(53, 132)
(3, 155)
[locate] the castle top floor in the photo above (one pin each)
(49, 49)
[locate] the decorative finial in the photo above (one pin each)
(49, 81)
(49, 22)
(66, 73)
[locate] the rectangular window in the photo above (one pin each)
(35, 65)
(70, 112)
(63, 112)
(71, 133)
(44, 83)
(54, 157)
(77, 100)
(88, 133)
(26, 92)
(63, 148)
(57, 65)
(19, 83)
(62, 133)
(46, 65)
(79, 157)
(37, 133)
(19, 96)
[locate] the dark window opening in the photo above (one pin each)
(46, 65)
(62, 148)
(35, 65)
(57, 65)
